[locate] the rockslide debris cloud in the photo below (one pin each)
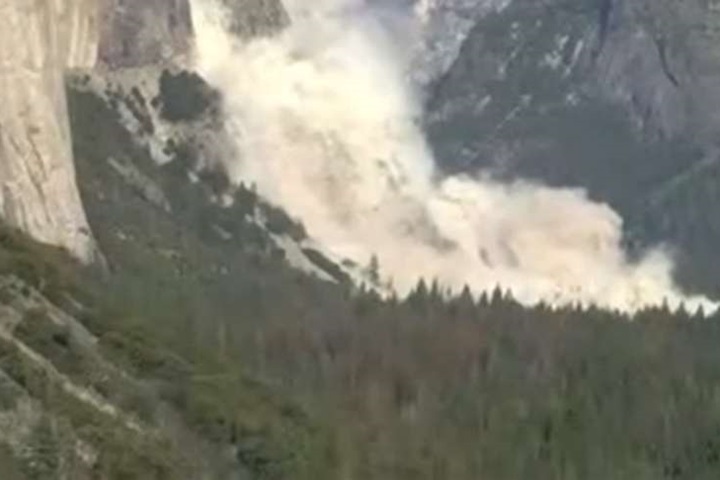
(326, 126)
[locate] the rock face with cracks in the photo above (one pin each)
(39, 42)
(137, 33)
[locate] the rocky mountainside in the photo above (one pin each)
(444, 25)
(216, 341)
(619, 97)
(137, 33)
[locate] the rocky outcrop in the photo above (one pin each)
(137, 33)
(38, 42)
(660, 59)
(256, 18)
(443, 27)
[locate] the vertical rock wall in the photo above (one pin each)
(39, 40)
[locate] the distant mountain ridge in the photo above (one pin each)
(619, 97)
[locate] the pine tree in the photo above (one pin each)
(465, 303)
(419, 297)
(498, 297)
(373, 270)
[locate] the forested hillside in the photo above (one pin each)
(206, 355)
(314, 381)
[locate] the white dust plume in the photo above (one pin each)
(326, 127)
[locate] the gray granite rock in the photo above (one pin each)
(137, 33)
(38, 42)
(252, 18)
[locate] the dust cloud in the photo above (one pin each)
(326, 124)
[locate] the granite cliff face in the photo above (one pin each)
(38, 44)
(444, 26)
(141, 32)
(40, 40)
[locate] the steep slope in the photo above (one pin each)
(443, 27)
(537, 91)
(617, 97)
(89, 388)
(355, 168)
(150, 179)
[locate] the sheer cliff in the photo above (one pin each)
(39, 42)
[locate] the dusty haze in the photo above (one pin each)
(326, 124)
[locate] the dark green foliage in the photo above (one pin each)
(373, 271)
(120, 448)
(280, 223)
(137, 105)
(44, 267)
(51, 340)
(325, 264)
(185, 96)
